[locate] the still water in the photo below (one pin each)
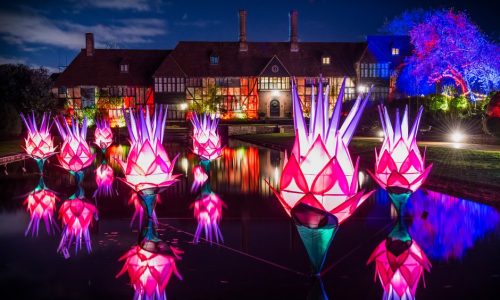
(262, 256)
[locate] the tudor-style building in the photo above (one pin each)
(252, 78)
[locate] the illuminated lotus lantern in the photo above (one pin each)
(77, 216)
(399, 166)
(39, 143)
(104, 177)
(41, 205)
(319, 174)
(399, 264)
(103, 135)
(75, 154)
(206, 140)
(208, 213)
(150, 272)
(148, 169)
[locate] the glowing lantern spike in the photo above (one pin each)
(399, 268)
(199, 177)
(104, 177)
(148, 165)
(77, 216)
(75, 153)
(41, 204)
(103, 135)
(399, 166)
(206, 140)
(208, 213)
(319, 171)
(39, 143)
(150, 272)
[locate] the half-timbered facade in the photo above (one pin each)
(250, 79)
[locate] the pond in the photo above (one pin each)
(262, 255)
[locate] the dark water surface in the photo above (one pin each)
(262, 256)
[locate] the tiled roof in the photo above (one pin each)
(103, 68)
(193, 58)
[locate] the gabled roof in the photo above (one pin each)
(194, 58)
(169, 67)
(275, 68)
(103, 68)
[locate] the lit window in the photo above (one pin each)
(326, 60)
(124, 68)
(395, 51)
(214, 60)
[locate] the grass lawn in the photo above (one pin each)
(475, 166)
(10, 147)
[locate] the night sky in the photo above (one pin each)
(50, 33)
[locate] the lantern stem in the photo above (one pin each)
(399, 200)
(149, 232)
(78, 177)
(40, 162)
(205, 164)
(316, 229)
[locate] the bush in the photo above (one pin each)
(439, 103)
(10, 122)
(459, 104)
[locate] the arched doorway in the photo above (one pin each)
(274, 108)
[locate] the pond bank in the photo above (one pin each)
(466, 173)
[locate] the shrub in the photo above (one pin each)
(439, 103)
(10, 122)
(459, 104)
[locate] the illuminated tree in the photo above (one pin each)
(449, 47)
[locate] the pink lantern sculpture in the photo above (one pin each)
(320, 172)
(41, 204)
(104, 177)
(148, 165)
(399, 269)
(399, 166)
(103, 135)
(199, 177)
(148, 170)
(319, 183)
(77, 216)
(208, 213)
(150, 272)
(39, 143)
(206, 140)
(75, 152)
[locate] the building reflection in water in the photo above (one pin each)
(446, 226)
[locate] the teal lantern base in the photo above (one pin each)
(149, 239)
(40, 162)
(399, 198)
(79, 175)
(316, 228)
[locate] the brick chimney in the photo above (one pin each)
(89, 44)
(243, 31)
(294, 40)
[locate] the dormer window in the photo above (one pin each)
(124, 68)
(395, 51)
(325, 60)
(214, 59)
